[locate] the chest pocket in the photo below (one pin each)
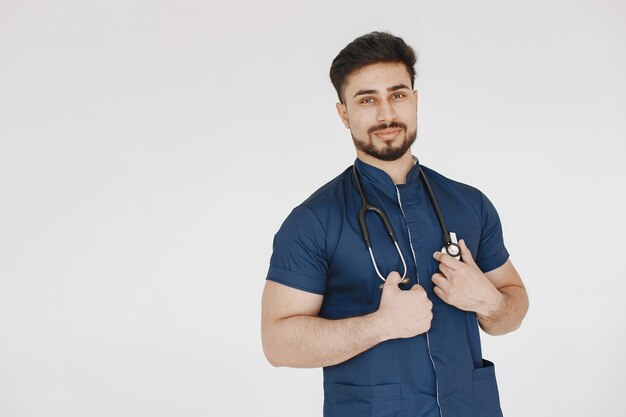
(471, 235)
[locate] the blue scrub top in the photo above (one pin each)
(319, 248)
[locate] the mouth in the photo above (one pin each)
(388, 134)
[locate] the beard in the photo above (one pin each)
(387, 152)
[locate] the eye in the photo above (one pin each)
(367, 100)
(397, 96)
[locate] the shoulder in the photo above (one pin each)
(329, 199)
(466, 191)
(465, 195)
(318, 221)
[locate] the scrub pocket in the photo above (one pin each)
(471, 236)
(486, 390)
(364, 400)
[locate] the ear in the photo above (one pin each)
(342, 110)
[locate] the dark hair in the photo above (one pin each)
(370, 48)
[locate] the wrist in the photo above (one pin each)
(495, 307)
(379, 326)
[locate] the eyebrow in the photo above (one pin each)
(390, 89)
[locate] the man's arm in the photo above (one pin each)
(294, 336)
(498, 297)
(507, 315)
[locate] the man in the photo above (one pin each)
(409, 347)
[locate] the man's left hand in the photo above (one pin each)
(463, 285)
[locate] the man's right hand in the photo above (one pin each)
(403, 313)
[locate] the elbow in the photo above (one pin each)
(273, 346)
(272, 359)
(270, 354)
(500, 331)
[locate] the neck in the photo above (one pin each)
(397, 169)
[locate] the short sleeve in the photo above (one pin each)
(491, 250)
(299, 252)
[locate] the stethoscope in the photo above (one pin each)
(451, 246)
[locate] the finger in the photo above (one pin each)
(445, 270)
(417, 287)
(447, 260)
(440, 293)
(466, 255)
(440, 281)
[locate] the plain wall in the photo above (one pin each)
(149, 150)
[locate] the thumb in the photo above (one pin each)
(393, 279)
(466, 255)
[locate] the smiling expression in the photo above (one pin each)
(380, 109)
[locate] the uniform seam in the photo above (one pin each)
(343, 210)
(328, 258)
(330, 254)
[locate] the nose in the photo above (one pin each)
(386, 112)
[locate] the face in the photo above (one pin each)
(380, 109)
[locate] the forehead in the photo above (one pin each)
(377, 76)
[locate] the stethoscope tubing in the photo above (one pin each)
(364, 232)
(451, 248)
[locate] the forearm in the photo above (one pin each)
(312, 342)
(509, 313)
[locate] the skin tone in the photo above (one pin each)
(380, 109)
(376, 95)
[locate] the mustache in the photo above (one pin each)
(392, 125)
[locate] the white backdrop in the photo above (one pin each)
(149, 150)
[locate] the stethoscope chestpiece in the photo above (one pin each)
(402, 282)
(452, 247)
